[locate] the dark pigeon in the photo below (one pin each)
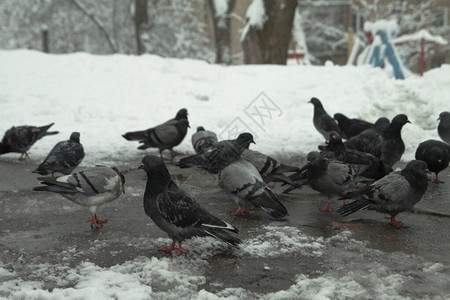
(64, 157)
(335, 149)
(209, 160)
(436, 154)
(332, 177)
(396, 192)
(351, 127)
(91, 188)
(322, 121)
(369, 139)
(243, 183)
(164, 136)
(203, 140)
(21, 138)
(444, 126)
(176, 212)
(387, 145)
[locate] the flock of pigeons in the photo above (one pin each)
(361, 168)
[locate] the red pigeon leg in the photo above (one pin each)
(94, 222)
(395, 223)
(180, 249)
(100, 221)
(240, 212)
(170, 249)
(327, 208)
(436, 180)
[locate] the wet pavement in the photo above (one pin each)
(44, 228)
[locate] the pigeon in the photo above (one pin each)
(436, 154)
(268, 167)
(322, 121)
(203, 140)
(396, 192)
(210, 158)
(243, 183)
(351, 127)
(164, 136)
(387, 145)
(92, 187)
(21, 138)
(335, 149)
(444, 126)
(176, 212)
(333, 177)
(64, 157)
(366, 140)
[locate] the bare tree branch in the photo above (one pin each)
(97, 23)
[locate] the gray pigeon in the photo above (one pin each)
(164, 136)
(322, 121)
(176, 212)
(92, 187)
(203, 140)
(369, 140)
(351, 127)
(387, 145)
(436, 154)
(396, 192)
(444, 126)
(332, 177)
(243, 183)
(64, 157)
(21, 138)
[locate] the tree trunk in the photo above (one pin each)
(269, 45)
(222, 34)
(140, 18)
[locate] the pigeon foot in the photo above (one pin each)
(395, 223)
(96, 222)
(436, 180)
(172, 247)
(241, 212)
(23, 158)
(327, 208)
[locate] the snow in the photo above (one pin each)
(103, 97)
(390, 26)
(418, 36)
(256, 16)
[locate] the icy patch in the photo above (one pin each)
(278, 241)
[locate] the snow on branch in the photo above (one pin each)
(256, 16)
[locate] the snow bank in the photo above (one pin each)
(103, 97)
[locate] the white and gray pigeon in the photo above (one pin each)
(444, 126)
(91, 188)
(64, 157)
(178, 213)
(436, 154)
(323, 122)
(164, 136)
(21, 138)
(243, 183)
(203, 140)
(396, 192)
(333, 177)
(387, 145)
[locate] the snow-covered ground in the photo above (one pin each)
(105, 96)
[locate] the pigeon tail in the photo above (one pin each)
(135, 135)
(224, 236)
(352, 207)
(271, 205)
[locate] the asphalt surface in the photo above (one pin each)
(36, 226)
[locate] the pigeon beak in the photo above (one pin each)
(439, 118)
(140, 167)
(189, 126)
(428, 171)
(253, 142)
(408, 122)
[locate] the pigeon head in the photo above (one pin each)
(312, 156)
(200, 128)
(400, 119)
(383, 121)
(152, 163)
(416, 174)
(229, 153)
(75, 137)
(316, 102)
(334, 138)
(181, 114)
(244, 140)
(444, 116)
